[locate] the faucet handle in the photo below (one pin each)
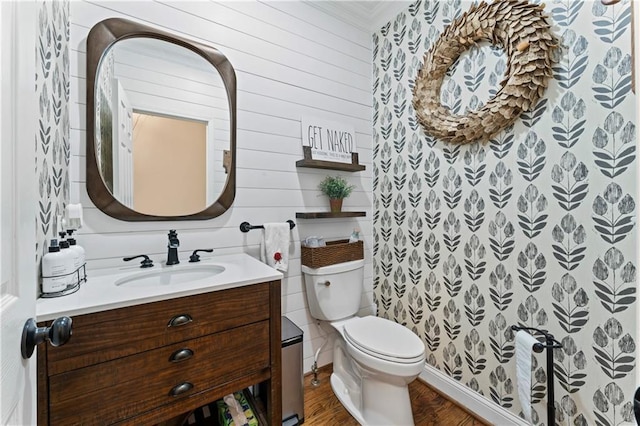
(174, 242)
(146, 262)
(195, 257)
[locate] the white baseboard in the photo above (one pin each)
(472, 401)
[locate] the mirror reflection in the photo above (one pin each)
(162, 127)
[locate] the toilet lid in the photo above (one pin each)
(384, 338)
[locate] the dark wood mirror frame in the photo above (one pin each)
(101, 37)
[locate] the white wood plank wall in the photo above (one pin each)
(290, 59)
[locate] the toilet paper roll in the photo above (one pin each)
(524, 349)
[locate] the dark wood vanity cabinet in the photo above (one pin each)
(148, 363)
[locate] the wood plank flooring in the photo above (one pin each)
(322, 408)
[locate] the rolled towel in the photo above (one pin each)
(236, 411)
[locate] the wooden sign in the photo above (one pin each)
(328, 140)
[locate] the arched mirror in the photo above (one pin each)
(161, 124)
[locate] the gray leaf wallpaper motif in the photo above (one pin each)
(535, 228)
(52, 137)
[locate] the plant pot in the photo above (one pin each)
(336, 204)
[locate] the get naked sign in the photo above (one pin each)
(328, 140)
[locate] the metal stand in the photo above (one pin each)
(80, 277)
(550, 344)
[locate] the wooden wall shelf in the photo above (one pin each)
(328, 215)
(308, 162)
(330, 165)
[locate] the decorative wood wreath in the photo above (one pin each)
(521, 30)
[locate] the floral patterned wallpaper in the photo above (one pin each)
(535, 228)
(52, 136)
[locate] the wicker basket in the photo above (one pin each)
(337, 251)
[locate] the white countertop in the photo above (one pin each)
(100, 293)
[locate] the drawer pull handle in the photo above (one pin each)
(179, 320)
(178, 390)
(181, 355)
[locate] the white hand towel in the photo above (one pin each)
(524, 348)
(274, 249)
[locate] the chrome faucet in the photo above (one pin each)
(174, 243)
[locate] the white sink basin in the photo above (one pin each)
(171, 276)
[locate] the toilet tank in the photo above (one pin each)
(334, 291)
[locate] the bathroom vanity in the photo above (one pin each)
(146, 354)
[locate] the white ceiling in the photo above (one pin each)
(366, 15)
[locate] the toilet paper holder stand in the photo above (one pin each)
(549, 344)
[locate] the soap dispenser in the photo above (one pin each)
(56, 265)
(72, 279)
(79, 256)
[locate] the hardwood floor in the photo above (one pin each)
(322, 408)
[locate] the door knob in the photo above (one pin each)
(57, 334)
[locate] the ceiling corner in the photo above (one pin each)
(365, 15)
(386, 11)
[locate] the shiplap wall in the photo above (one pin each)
(290, 59)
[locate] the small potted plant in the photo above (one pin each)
(337, 189)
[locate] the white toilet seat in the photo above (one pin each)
(384, 339)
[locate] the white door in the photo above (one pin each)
(18, 285)
(122, 146)
(212, 193)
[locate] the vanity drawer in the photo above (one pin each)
(119, 389)
(108, 335)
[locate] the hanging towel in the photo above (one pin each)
(524, 349)
(274, 249)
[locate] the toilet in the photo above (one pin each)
(374, 359)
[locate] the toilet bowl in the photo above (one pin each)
(374, 359)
